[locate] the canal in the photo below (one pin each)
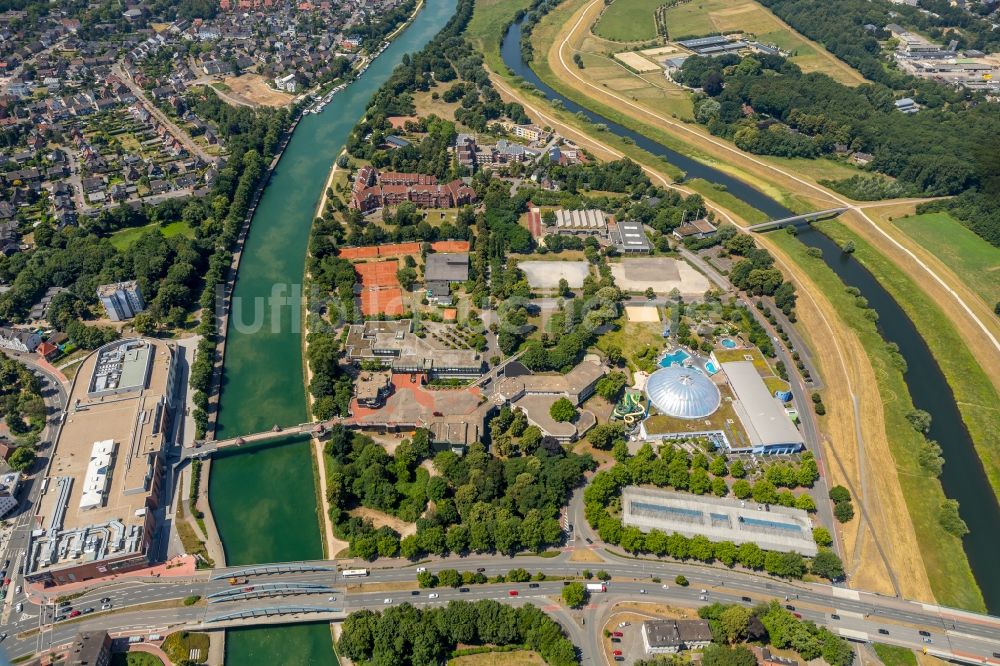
(963, 478)
(263, 499)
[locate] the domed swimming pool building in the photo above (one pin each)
(684, 393)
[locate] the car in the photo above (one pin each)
(480, 569)
(75, 613)
(834, 616)
(512, 593)
(106, 606)
(619, 658)
(643, 591)
(6, 564)
(617, 634)
(421, 569)
(798, 615)
(746, 599)
(703, 591)
(414, 593)
(703, 597)
(615, 639)
(59, 618)
(17, 590)
(589, 540)
(924, 633)
(3, 637)
(533, 585)
(789, 607)
(433, 595)
(388, 600)
(106, 600)
(927, 640)
(884, 632)
(20, 607)
(87, 611)
(624, 624)
(570, 527)
(617, 653)
(997, 655)
(331, 598)
(463, 589)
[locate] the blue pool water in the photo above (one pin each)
(728, 343)
(675, 358)
(710, 368)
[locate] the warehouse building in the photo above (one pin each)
(768, 426)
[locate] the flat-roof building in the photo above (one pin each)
(631, 238)
(96, 514)
(535, 394)
(718, 519)
(90, 648)
(589, 222)
(121, 300)
(394, 344)
(767, 424)
(446, 267)
(672, 636)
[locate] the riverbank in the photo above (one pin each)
(947, 568)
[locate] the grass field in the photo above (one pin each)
(135, 659)
(893, 655)
(974, 260)
(514, 658)
(629, 20)
(947, 567)
(124, 238)
(489, 18)
(704, 17)
(977, 399)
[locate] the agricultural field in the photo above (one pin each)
(976, 262)
(698, 18)
(629, 20)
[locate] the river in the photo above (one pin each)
(963, 478)
(263, 499)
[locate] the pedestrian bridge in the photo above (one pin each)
(797, 220)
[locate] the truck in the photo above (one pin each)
(597, 587)
(237, 581)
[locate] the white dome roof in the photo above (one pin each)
(681, 392)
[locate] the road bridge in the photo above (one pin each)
(797, 220)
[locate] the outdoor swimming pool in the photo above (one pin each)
(674, 358)
(710, 368)
(728, 343)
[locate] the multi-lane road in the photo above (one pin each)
(152, 605)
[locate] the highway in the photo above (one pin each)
(145, 605)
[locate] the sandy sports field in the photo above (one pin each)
(663, 274)
(546, 274)
(642, 313)
(254, 89)
(635, 60)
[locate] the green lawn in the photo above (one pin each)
(486, 29)
(893, 655)
(124, 238)
(628, 21)
(974, 260)
(976, 397)
(135, 659)
(947, 567)
(179, 644)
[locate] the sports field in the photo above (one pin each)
(708, 17)
(629, 20)
(974, 260)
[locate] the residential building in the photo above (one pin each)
(700, 228)
(373, 190)
(90, 648)
(18, 340)
(672, 636)
(9, 484)
(121, 300)
(529, 132)
(286, 83)
(97, 515)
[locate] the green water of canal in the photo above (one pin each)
(263, 498)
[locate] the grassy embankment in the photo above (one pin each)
(893, 655)
(976, 262)
(947, 568)
(974, 393)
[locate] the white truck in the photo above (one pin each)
(597, 587)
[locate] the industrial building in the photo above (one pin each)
(672, 636)
(718, 519)
(121, 300)
(767, 424)
(97, 512)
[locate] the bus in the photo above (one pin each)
(354, 573)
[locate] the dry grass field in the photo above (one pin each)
(254, 89)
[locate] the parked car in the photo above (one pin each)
(87, 611)
(19, 607)
(617, 653)
(106, 606)
(75, 613)
(617, 634)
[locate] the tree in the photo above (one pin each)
(564, 288)
(827, 564)
(574, 595)
(681, 580)
(948, 517)
(604, 436)
(21, 459)
(733, 623)
(919, 419)
(449, 578)
(610, 386)
(737, 470)
(822, 536)
(650, 294)
(562, 410)
(718, 655)
(840, 494)
(805, 502)
(843, 511)
(742, 489)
